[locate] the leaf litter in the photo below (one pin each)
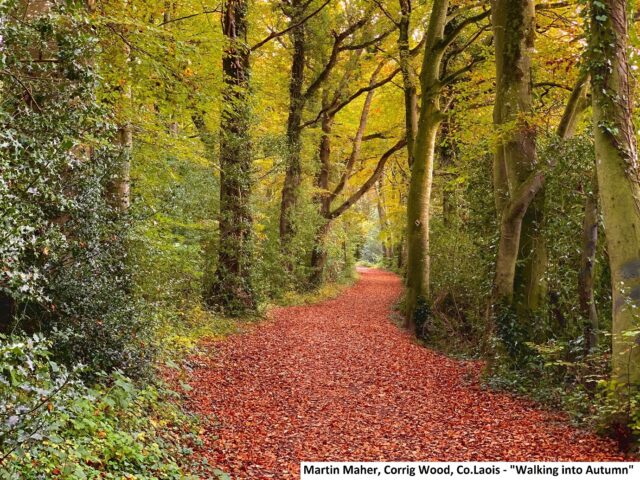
(338, 381)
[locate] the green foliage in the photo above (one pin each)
(512, 334)
(556, 369)
(460, 287)
(560, 375)
(63, 246)
(462, 260)
(566, 192)
(173, 240)
(109, 289)
(53, 425)
(40, 165)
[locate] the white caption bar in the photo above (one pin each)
(467, 470)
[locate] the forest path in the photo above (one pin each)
(339, 381)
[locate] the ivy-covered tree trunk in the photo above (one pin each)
(419, 198)
(293, 175)
(231, 287)
(618, 178)
(319, 254)
(515, 158)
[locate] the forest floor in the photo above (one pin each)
(339, 381)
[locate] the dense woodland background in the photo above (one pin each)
(170, 168)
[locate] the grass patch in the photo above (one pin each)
(324, 293)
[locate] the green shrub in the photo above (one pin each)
(63, 247)
(52, 425)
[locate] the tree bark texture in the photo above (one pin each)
(231, 287)
(293, 175)
(419, 197)
(408, 78)
(618, 176)
(515, 157)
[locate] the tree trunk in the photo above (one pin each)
(231, 288)
(319, 251)
(326, 197)
(293, 175)
(7, 312)
(510, 231)
(121, 189)
(587, 264)
(387, 240)
(121, 185)
(531, 287)
(618, 177)
(408, 78)
(515, 158)
(419, 198)
(446, 159)
(401, 253)
(319, 254)
(577, 104)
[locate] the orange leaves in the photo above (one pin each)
(339, 381)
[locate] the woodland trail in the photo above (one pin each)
(339, 381)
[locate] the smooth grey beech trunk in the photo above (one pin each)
(618, 179)
(419, 198)
(515, 156)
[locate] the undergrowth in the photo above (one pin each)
(54, 425)
(559, 375)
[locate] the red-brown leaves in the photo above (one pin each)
(338, 381)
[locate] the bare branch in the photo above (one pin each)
(415, 50)
(455, 51)
(218, 9)
(356, 94)
(453, 77)
(449, 39)
(368, 43)
(523, 196)
(386, 13)
(357, 141)
(370, 181)
(273, 35)
(459, 11)
(552, 5)
(333, 58)
(375, 136)
(552, 85)
(26, 88)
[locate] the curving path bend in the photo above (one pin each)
(339, 381)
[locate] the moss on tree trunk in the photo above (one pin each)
(618, 176)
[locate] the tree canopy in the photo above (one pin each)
(169, 169)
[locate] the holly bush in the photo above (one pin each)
(52, 425)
